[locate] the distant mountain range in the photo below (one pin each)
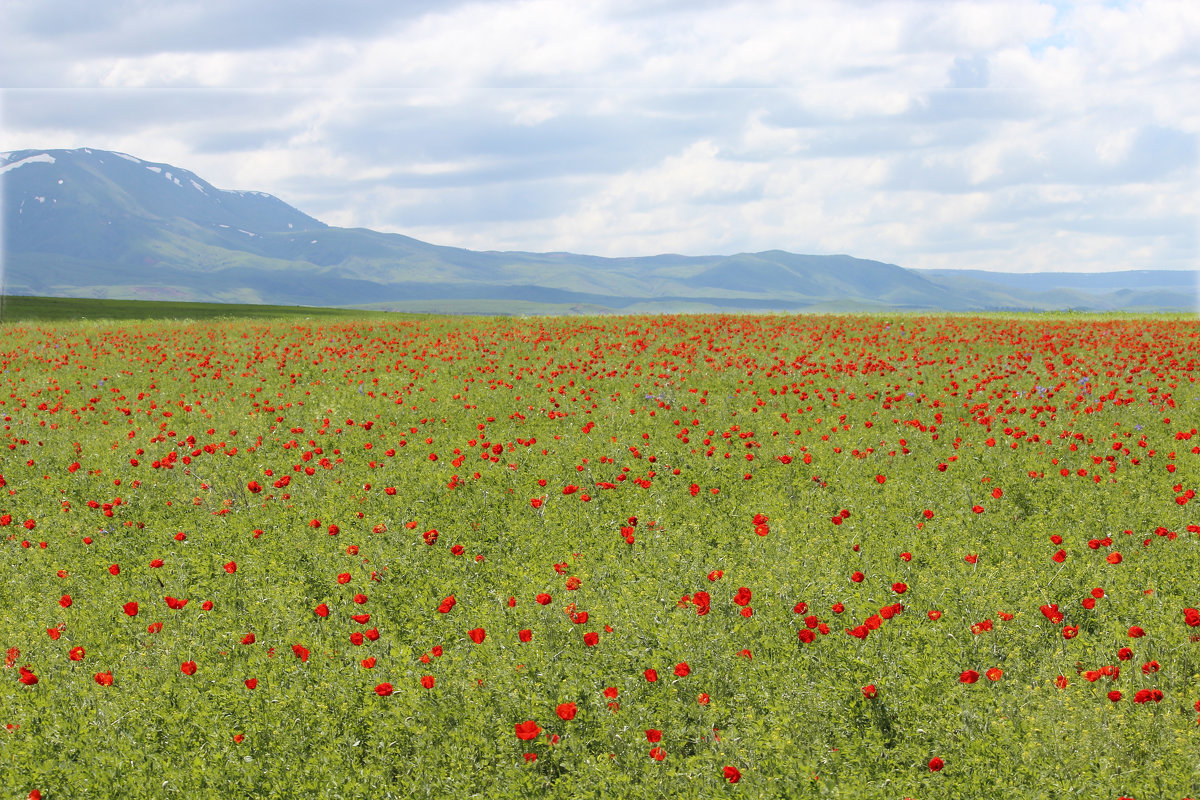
(95, 223)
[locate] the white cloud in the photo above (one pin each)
(913, 131)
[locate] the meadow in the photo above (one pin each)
(663, 556)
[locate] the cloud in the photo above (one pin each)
(1005, 134)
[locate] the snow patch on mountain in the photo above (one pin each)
(40, 158)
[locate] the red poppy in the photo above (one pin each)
(566, 711)
(527, 731)
(653, 736)
(657, 753)
(427, 681)
(27, 677)
(447, 604)
(651, 675)
(251, 683)
(76, 654)
(384, 689)
(231, 567)
(130, 608)
(591, 639)
(682, 670)
(114, 569)
(321, 610)
(104, 678)
(968, 676)
(936, 764)
(300, 651)
(477, 635)
(188, 668)
(995, 674)
(732, 774)
(65, 601)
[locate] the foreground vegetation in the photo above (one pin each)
(623, 557)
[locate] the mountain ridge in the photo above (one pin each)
(93, 223)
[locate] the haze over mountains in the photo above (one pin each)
(95, 223)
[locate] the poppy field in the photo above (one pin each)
(662, 556)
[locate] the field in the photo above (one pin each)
(669, 556)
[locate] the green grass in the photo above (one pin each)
(18, 308)
(227, 448)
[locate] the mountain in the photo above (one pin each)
(95, 223)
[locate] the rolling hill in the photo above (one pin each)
(95, 223)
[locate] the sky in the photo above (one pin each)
(1014, 135)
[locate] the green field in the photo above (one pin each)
(18, 308)
(657, 556)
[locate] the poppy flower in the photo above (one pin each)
(477, 635)
(1061, 681)
(899, 587)
(300, 651)
(130, 609)
(543, 599)
(114, 569)
(732, 774)
(968, 676)
(566, 711)
(427, 681)
(682, 670)
(702, 699)
(65, 601)
(936, 764)
(651, 675)
(1114, 696)
(653, 736)
(591, 639)
(384, 689)
(527, 731)
(321, 610)
(104, 678)
(869, 691)
(995, 674)
(1136, 633)
(525, 635)
(657, 753)
(231, 567)
(188, 668)
(251, 683)
(368, 663)
(1070, 631)
(76, 654)
(27, 677)
(447, 604)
